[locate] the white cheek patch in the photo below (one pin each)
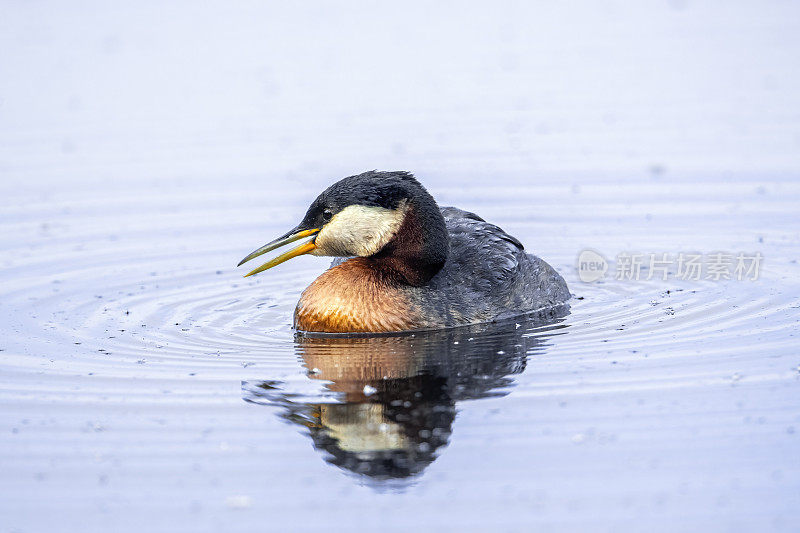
(359, 230)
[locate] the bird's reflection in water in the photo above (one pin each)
(393, 398)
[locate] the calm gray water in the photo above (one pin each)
(146, 386)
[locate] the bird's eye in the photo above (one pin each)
(327, 215)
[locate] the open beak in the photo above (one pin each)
(290, 237)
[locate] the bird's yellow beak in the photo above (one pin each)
(290, 237)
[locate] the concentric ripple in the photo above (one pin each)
(129, 314)
(169, 299)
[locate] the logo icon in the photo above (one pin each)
(591, 266)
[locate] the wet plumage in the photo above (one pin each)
(418, 266)
(487, 275)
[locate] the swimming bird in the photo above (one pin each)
(405, 264)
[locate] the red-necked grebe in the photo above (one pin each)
(407, 264)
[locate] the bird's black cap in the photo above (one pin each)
(374, 188)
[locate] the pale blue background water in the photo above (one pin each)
(145, 149)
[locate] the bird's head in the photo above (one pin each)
(356, 216)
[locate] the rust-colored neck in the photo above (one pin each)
(355, 297)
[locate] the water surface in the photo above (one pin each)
(141, 371)
(146, 386)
